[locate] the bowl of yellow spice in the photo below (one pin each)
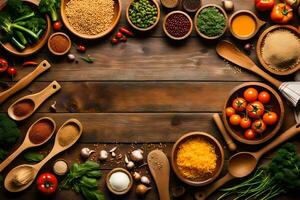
(197, 158)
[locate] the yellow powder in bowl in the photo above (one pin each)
(196, 159)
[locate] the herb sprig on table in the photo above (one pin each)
(83, 178)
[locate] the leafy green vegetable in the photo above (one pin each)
(9, 132)
(33, 157)
(211, 22)
(19, 10)
(83, 178)
(50, 7)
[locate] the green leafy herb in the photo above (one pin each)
(88, 59)
(211, 22)
(33, 157)
(83, 178)
(9, 132)
(50, 7)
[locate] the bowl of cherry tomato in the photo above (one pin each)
(253, 113)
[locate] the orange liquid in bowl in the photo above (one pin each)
(243, 25)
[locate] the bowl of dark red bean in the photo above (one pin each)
(177, 25)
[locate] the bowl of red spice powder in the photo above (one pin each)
(177, 25)
(59, 44)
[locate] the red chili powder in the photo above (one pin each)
(23, 108)
(59, 43)
(40, 132)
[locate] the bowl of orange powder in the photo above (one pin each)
(197, 158)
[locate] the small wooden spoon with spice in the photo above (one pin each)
(42, 67)
(26, 106)
(38, 134)
(160, 169)
(22, 176)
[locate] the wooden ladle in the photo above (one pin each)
(160, 169)
(27, 143)
(42, 67)
(60, 145)
(243, 163)
(35, 100)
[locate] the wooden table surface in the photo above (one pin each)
(143, 93)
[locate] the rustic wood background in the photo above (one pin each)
(143, 93)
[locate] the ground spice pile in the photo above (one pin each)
(40, 132)
(90, 17)
(281, 50)
(196, 159)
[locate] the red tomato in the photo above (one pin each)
(81, 48)
(47, 183)
(57, 26)
(270, 118)
(119, 35)
(235, 119)
(259, 126)
(239, 104)
(249, 134)
(245, 123)
(3, 65)
(264, 5)
(264, 97)
(255, 109)
(250, 94)
(229, 111)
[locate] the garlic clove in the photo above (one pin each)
(137, 155)
(136, 176)
(86, 152)
(145, 180)
(103, 155)
(130, 165)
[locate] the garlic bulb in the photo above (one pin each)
(86, 152)
(136, 176)
(130, 165)
(145, 180)
(228, 5)
(103, 155)
(136, 155)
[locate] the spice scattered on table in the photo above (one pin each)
(90, 17)
(40, 132)
(178, 25)
(23, 108)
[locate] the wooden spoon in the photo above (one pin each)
(35, 100)
(160, 169)
(217, 119)
(243, 163)
(57, 148)
(43, 66)
(230, 52)
(27, 143)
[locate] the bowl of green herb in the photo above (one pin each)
(210, 21)
(143, 15)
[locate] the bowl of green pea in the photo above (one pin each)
(143, 15)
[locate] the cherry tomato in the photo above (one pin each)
(81, 48)
(259, 126)
(270, 118)
(114, 40)
(249, 134)
(235, 119)
(245, 122)
(119, 35)
(123, 39)
(57, 26)
(255, 109)
(250, 94)
(12, 72)
(229, 111)
(239, 104)
(47, 183)
(264, 97)
(3, 65)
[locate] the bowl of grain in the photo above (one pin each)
(197, 158)
(90, 19)
(278, 49)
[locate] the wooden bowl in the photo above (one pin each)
(259, 23)
(177, 38)
(109, 186)
(196, 19)
(32, 49)
(148, 28)
(165, 4)
(260, 44)
(57, 53)
(277, 106)
(116, 18)
(220, 158)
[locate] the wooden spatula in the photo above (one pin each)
(160, 169)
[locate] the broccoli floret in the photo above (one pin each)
(50, 7)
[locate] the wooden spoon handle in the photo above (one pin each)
(288, 134)
(11, 157)
(43, 66)
(46, 93)
(203, 194)
(230, 52)
(217, 119)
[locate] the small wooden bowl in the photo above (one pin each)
(259, 23)
(190, 10)
(148, 28)
(171, 36)
(277, 106)
(109, 186)
(165, 4)
(116, 18)
(57, 53)
(260, 44)
(32, 49)
(196, 24)
(220, 158)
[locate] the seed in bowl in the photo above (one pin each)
(143, 13)
(178, 25)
